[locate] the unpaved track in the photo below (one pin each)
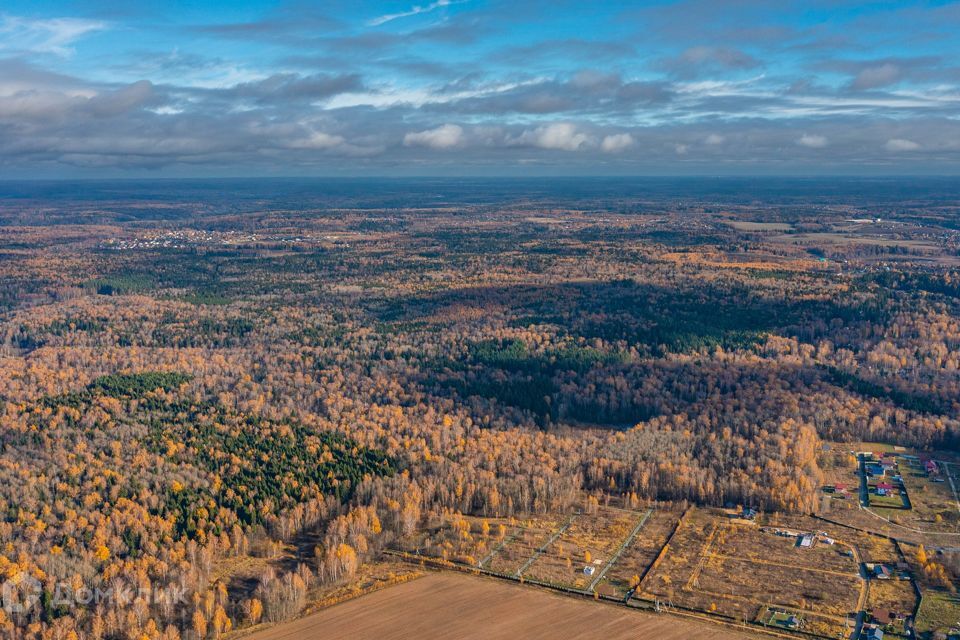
(455, 606)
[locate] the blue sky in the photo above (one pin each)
(478, 87)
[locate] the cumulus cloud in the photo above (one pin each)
(386, 94)
(292, 86)
(878, 73)
(901, 144)
(20, 76)
(593, 79)
(585, 91)
(877, 76)
(443, 137)
(561, 136)
(317, 140)
(617, 142)
(703, 60)
(812, 141)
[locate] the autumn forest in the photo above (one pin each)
(226, 398)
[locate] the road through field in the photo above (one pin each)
(449, 605)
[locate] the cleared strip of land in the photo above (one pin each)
(449, 605)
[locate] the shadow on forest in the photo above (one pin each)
(634, 320)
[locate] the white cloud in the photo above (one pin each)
(812, 141)
(714, 139)
(562, 135)
(617, 142)
(443, 137)
(317, 140)
(900, 144)
(52, 35)
(391, 96)
(681, 149)
(416, 10)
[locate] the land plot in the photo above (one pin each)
(841, 476)
(939, 612)
(740, 570)
(521, 544)
(637, 558)
(765, 546)
(682, 555)
(809, 589)
(583, 550)
(797, 620)
(893, 596)
(457, 538)
(932, 496)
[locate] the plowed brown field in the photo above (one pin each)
(448, 605)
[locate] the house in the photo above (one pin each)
(882, 572)
(931, 467)
(881, 492)
(793, 622)
(874, 633)
(589, 570)
(886, 486)
(748, 513)
(840, 487)
(806, 540)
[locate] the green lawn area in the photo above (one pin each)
(939, 610)
(887, 502)
(779, 619)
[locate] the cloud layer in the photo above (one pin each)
(483, 87)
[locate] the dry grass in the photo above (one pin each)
(735, 569)
(638, 557)
(598, 535)
(896, 595)
(521, 543)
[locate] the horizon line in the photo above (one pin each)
(261, 178)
